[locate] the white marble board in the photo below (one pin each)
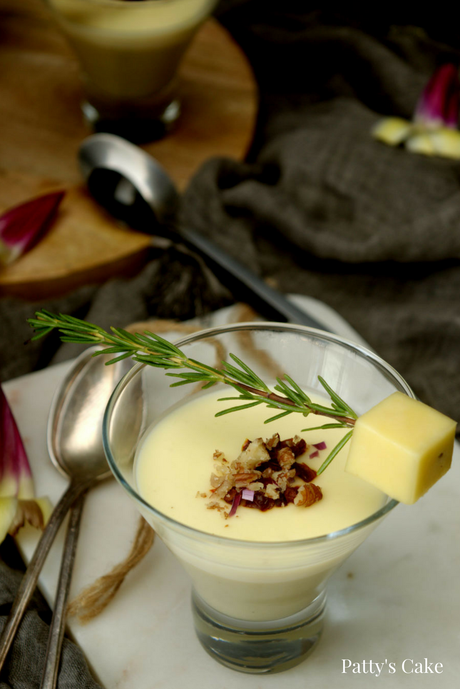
(396, 598)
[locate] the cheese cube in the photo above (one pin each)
(402, 447)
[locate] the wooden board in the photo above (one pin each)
(41, 128)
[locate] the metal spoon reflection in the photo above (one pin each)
(135, 189)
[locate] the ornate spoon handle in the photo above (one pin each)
(56, 634)
(29, 580)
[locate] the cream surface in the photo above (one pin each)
(175, 460)
(125, 17)
(130, 50)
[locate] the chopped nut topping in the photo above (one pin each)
(255, 486)
(219, 456)
(254, 454)
(243, 480)
(272, 442)
(216, 481)
(307, 495)
(285, 457)
(272, 492)
(270, 470)
(215, 505)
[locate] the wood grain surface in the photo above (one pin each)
(41, 128)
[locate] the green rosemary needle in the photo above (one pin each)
(151, 349)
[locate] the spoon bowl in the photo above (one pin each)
(136, 189)
(128, 182)
(75, 420)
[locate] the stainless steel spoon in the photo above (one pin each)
(134, 188)
(75, 447)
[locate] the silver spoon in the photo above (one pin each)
(75, 447)
(134, 188)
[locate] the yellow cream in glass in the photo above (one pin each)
(174, 463)
(259, 579)
(129, 52)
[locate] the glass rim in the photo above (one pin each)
(224, 329)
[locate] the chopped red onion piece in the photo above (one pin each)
(314, 454)
(248, 494)
(235, 503)
(320, 446)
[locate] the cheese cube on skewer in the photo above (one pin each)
(401, 446)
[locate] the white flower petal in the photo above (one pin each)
(8, 507)
(421, 143)
(46, 507)
(446, 142)
(392, 130)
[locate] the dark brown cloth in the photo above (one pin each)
(372, 231)
(24, 665)
(324, 210)
(319, 207)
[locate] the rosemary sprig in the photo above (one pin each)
(149, 348)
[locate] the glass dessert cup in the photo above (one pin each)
(129, 53)
(258, 606)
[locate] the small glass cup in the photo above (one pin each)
(129, 52)
(258, 607)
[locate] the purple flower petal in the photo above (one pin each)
(439, 102)
(15, 473)
(22, 226)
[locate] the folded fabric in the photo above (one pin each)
(323, 209)
(24, 665)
